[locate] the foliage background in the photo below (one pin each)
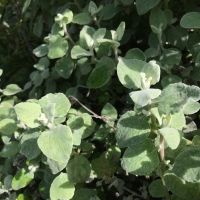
(86, 69)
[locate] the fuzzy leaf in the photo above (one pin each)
(172, 136)
(186, 165)
(191, 107)
(11, 89)
(143, 97)
(84, 194)
(28, 113)
(190, 20)
(56, 143)
(29, 146)
(158, 22)
(55, 166)
(58, 47)
(78, 52)
(140, 159)
(78, 169)
(41, 51)
(120, 31)
(144, 6)
(65, 66)
(132, 129)
(101, 73)
(156, 189)
(181, 188)
(8, 126)
(62, 188)
(174, 97)
(82, 18)
(22, 179)
(62, 104)
(135, 53)
(128, 72)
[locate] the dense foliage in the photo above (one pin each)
(99, 99)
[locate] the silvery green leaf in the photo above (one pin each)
(143, 97)
(132, 129)
(58, 47)
(140, 159)
(56, 143)
(128, 71)
(174, 97)
(11, 89)
(144, 6)
(62, 187)
(190, 20)
(78, 52)
(171, 136)
(82, 18)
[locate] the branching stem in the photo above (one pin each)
(67, 34)
(94, 114)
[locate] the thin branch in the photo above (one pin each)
(94, 114)
(67, 34)
(132, 192)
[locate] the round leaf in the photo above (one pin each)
(41, 51)
(101, 73)
(56, 143)
(28, 113)
(8, 126)
(190, 20)
(62, 104)
(143, 97)
(128, 71)
(158, 22)
(156, 189)
(144, 6)
(131, 129)
(58, 47)
(65, 66)
(135, 53)
(186, 165)
(84, 194)
(22, 179)
(82, 19)
(78, 169)
(29, 145)
(171, 136)
(141, 159)
(175, 96)
(62, 188)
(11, 90)
(181, 188)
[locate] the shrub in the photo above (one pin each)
(99, 99)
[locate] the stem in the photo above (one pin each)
(94, 114)
(93, 60)
(115, 53)
(133, 193)
(96, 22)
(67, 34)
(162, 158)
(161, 43)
